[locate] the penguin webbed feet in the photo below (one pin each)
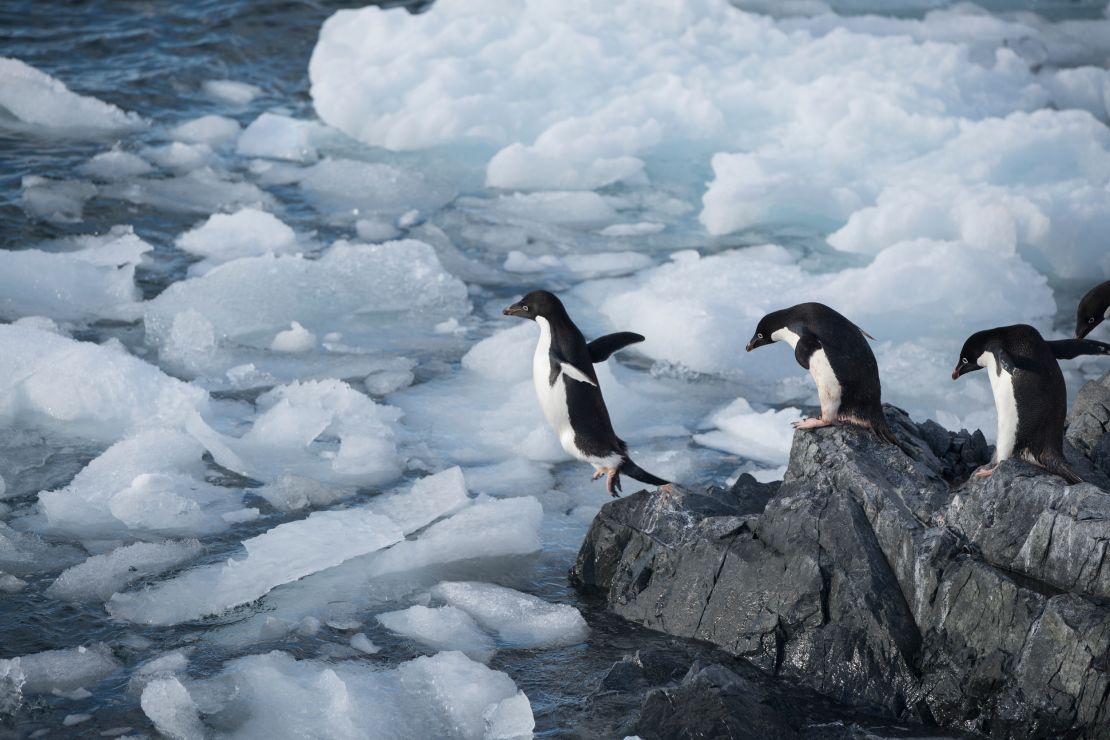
(811, 423)
(613, 483)
(984, 472)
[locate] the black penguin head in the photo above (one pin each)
(537, 303)
(767, 326)
(973, 348)
(1091, 310)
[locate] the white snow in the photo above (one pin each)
(294, 339)
(440, 628)
(248, 232)
(103, 575)
(519, 619)
(44, 104)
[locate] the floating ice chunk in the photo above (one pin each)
(203, 191)
(363, 644)
(43, 103)
(285, 553)
(430, 498)
(38, 323)
(165, 665)
(253, 298)
(96, 281)
(442, 628)
(75, 719)
(62, 670)
(150, 482)
(510, 719)
(606, 264)
(348, 186)
(191, 344)
(180, 157)
(230, 91)
(279, 137)
(291, 492)
(283, 438)
(103, 575)
(641, 228)
(115, 164)
(520, 619)
(515, 477)
(575, 209)
(57, 201)
(387, 381)
(446, 695)
(765, 436)
(172, 710)
(10, 584)
(294, 339)
(373, 230)
(487, 528)
(24, 553)
(211, 130)
(248, 232)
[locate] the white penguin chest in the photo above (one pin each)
(1005, 404)
(828, 386)
(552, 397)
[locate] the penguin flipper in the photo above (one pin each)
(1068, 349)
(1004, 361)
(808, 343)
(602, 347)
(560, 364)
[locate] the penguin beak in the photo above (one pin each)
(750, 347)
(513, 310)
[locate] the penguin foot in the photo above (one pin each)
(984, 472)
(666, 488)
(598, 472)
(811, 423)
(613, 484)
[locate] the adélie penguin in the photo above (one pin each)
(1093, 309)
(568, 391)
(837, 355)
(1029, 395)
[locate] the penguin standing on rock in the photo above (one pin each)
(1093, 309)
(567, 387)
(836, 353)
(1029, 395)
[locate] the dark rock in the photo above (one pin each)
(1089, 422)
(868, 578)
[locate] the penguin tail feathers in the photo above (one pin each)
(1057, 465)
(632, 470)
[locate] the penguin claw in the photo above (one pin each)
(613, 484)
(597, 474)
(810, 423)
(983, 472)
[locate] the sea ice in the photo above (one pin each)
(294, 339)
(103, 575)
(440, 628)
(248, 232)
(115, 164)
(764, 436)
(231, 92)
(201, 191)
(172, 710)
(363, 644)
(519, 619)
(57, 201)
(42, 103)
(62, 670)
(279, 137)
(363, 189)
(211, 130)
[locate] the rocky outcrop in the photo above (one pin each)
(883, 578)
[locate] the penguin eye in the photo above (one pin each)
(963, 360)
(759, 336)
(523, 308)
(1091, 320)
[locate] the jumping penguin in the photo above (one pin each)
(836, 353)
(1093, 308)
(1029, 395)
(567, 387)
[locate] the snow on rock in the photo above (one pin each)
(231, 91)
(62, 670)
(248, 232)
(85, 389)
(446, 695)
(440, 628)
(93, 278)
(44, 104)
(150, 482)
(250, 299)
(519, 619)
(103, 575)
(282, 554)
(172, 710)
(764, 436)
(363, 189)
(279, 137)
(211, 130)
